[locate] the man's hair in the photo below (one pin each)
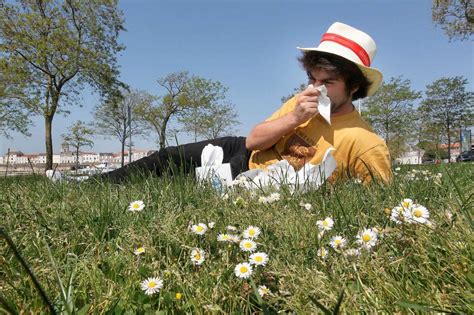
(341, 67)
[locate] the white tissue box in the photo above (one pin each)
(209, 172)
(212, 167)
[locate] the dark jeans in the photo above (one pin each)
(185, 157)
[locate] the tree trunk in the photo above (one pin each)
(77, 158)
(123, 150)
(48, 121)
(163, 133)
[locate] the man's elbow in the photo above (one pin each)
(250, 143)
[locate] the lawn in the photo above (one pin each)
(90, 254)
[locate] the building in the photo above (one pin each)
(411, 157)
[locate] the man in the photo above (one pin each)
(297, 132)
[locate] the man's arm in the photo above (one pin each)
(267, 133)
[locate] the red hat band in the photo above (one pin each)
(356, 48)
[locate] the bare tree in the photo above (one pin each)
(78, 136)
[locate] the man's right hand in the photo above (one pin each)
(306, 106)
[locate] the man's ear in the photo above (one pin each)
(355, 89)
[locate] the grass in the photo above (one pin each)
(78, 240)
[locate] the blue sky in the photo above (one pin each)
(250, 47)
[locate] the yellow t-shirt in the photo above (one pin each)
(359, 151)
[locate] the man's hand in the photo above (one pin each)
(307, 105)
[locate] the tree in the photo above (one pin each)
(208, 114)
(456, 18)
(186, 98)
(448, 107)
(78, 136)
(216, 120)
(390, 112)
(300, 88)
(57, 47)
(117, 116)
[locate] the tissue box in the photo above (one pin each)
(212, 167)
(210, 172)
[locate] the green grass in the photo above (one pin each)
(79, 239)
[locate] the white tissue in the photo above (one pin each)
(212, 155)
(324, 106)
(282, 173)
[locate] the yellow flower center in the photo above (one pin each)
(244, 269)
(325, 223)
(405, 204)
(252, 232)
(151, 284)
(179, 296)
(248, 245)
(259, 259)
(199, 228)
(366, 237)
(337, 242)
(136, 206)
(417, 213)
(140, 250)
(197, 256)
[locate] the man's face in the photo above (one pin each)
(341, 100)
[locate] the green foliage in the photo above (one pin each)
(446, 108)
(119, 116)
(55, 47)
(91, 236)
(390, 113)
(456, 18)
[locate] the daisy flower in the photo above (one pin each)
(251, 232)
(337, 242)
(137, 205)
(352, 252)
(211, 225)
(199, 229)
(262, 199)
(263, 290)
(151, 285)
(367, 238)
(325, 224)
(139, 251)
(307, 206)
(397, 215)
(248, 245)
(231, 228)
(223, 238)
(197, 256)
(322, 253)
(234, 238)
(243, 270)
(258, 259)
(273, 197)
(419, 214)
(407, 203)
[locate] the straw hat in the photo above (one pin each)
(354, 45)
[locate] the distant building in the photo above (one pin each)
(411, 157)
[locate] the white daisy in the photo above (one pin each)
(352, 252)
(139, 251)
(137, 205)
(398, 215)
(251, 232)
(234, 238)
(231, 228)
(199, 229)
(322, 253)
(243, 270)
(325, 224)
(151, 285)
(197, 256)
(258, 259)
(263, 290)
(407, 203)
(211, 225)
(419, 214)
(337, 242)
(273, 197)
(223, 238)
(248, 245)
(262, 199)
(367, 238)
(307, 206)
